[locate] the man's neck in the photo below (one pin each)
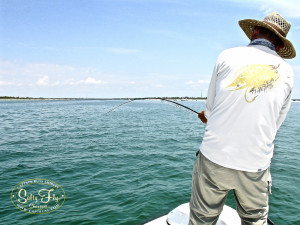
(263, 42)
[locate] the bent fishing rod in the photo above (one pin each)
(270, 222)
(162, 99)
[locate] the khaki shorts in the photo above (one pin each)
(211, 184)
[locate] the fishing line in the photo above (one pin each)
(162, 99)
(176, 105)
(119, 106)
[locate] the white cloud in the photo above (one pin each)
(197, 83)
(91, 80)
(5, 83)
(20, 69)
(69, 82)
(286, 8)
(44, 81)
(47, 74)
(203, 81)
(56, 83)
(289, 8)
(54, 80)
(157, 85)
(123, 51)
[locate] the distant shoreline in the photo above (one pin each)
(128, 99)
(148, 98)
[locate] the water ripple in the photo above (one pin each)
(123, 168)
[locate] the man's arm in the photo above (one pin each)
(284, 111)
(211, 94)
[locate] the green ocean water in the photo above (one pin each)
(125, 167)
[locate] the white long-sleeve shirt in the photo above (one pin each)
(248, 98)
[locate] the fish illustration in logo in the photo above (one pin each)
(255, 78)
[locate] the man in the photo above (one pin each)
(248, 98)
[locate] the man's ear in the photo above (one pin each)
(255, 33)
(278, 47)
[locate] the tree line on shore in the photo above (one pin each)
(149, 98)
(154, 98)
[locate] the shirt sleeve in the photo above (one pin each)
(287, 103)
(284, 111)
(211, 93)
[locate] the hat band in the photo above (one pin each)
(276, 28)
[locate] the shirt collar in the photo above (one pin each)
(263, 42)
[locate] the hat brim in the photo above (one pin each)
(248, 25)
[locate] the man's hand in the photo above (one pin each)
(202, 117)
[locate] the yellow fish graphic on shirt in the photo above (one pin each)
(255, 78)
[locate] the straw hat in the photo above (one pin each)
(278, 25)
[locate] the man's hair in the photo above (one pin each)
(271, 36)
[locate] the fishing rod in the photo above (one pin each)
(270, 222)
(162, 99)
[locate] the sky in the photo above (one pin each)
(125, 48)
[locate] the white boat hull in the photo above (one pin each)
(181, 214)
